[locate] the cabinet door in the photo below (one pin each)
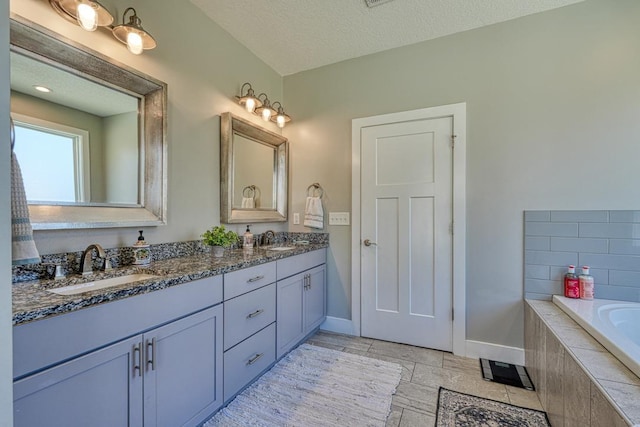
(290, 320)
(314, 299)
(183, 376)
(102, 388)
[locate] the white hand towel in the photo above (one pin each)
(23, 248)
(248, 203)
(313, 213)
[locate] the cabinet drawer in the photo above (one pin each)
(246, 280)
(248, 313)
(295, 264)
(248, 359)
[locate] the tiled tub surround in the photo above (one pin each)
(578, 381)
(607, 241)
(32, 301)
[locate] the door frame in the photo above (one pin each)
(459, 114)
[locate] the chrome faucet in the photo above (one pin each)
(86, 263)
(268, 237)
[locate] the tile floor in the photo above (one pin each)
(423, 372)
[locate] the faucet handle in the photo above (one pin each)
(107, 264)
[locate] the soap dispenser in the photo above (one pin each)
(141, 251)
(247, 240)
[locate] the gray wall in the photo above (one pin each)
(6, 365)
(553, 102)
(606, 241)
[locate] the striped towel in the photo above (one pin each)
(23, 248)
(313, 213)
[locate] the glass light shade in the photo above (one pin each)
(134, 43)
(266, 114)
(87, 17)
(89, 14)
(250, 105)
(280, 120)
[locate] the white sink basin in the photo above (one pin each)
(281, 248)
(100, 284)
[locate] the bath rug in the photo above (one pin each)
(316, 386)
(459, 409)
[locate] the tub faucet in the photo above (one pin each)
(86, 263)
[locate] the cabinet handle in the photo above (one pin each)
(137, 359)
(308, 281)
(151, 360)
(254, 314)
(255, 279)
(254, 359)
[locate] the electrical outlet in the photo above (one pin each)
(338, 218)
(296, 218)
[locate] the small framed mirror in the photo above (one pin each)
(254, 166)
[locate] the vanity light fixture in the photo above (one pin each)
(132, 34)
(262, 106)
(281, 118)
(265, 111)
(90, 14)
(248, 99)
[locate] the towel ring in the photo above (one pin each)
(249, 191)
(313, 189)
(13, 133)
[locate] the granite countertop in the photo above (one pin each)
(32, 301)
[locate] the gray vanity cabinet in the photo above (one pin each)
(301, 299)
(149, 360)
(169, 376)
(99, 389)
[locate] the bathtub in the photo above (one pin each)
(615, 324)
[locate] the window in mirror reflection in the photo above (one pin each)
(53, 160)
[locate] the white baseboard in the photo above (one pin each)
(499, 353)
(338, 325)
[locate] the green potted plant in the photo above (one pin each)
(219, 238)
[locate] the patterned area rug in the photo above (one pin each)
(463, 410)
(315, 386)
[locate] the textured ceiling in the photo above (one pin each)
(67, 89)
(297, 35)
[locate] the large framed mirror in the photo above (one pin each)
(93, 148)
(254, 166)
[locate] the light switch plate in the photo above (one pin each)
(296, 218)
(338, 218)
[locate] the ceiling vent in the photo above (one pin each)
(372, 3)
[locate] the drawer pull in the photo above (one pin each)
(255, 279)
(254, 359)
(254, 314)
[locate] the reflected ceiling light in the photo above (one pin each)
(265, 111)
(89, 14)
(43, 89)
(281, 117)
(248, 99)
(261, 106)
(132, 34)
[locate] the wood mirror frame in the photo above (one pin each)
(229, 126)
(32, 40)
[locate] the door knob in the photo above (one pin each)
(368, 242)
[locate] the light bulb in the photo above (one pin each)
(266, 114)
(280, 121)
(250, 105)
(134, 43)
(87, 17)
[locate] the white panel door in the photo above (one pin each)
(406, 220)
